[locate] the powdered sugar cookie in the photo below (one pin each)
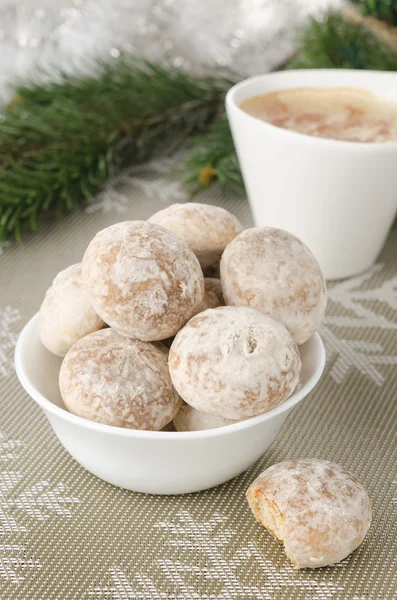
(206, 229)
(317, 509)
(273, 271)
(234, 362)
(189, 419)
(212, 294)
(142, 280)
(66, 314)
(109, 378)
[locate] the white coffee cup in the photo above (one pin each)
(339, 197)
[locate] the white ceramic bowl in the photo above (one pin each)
(156, 462)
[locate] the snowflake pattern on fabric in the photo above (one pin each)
(197, 553)
(40, 502)
(189, 537)
(13, 563)
(9, 319)
(394, 499)
(346, 353)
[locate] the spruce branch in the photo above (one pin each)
(336, 42)
(213, 158)
(61, 142)
(384, 10)
(380, 23)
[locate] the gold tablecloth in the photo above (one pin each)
(67, 535)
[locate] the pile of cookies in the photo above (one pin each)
(152, 339)
(141, 289)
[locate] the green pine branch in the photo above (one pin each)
(61, 142)
(212, 157)
(336, 42)
(384, 10)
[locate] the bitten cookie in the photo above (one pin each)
(317, 509)
(111, 379)
(66, 314)
(212, 294)
(189, 419)
(234, 362)
(142, 280)
(273, 271)
(206, 229)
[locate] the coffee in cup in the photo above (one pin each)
(345, 114)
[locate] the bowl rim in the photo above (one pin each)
(57, 411)
(231, 103)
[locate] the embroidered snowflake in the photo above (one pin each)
(211, 538)
(9, 318)
(394, 499)
(345, 353)
(14, 564)
(40, 502)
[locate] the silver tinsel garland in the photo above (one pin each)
(250, 36)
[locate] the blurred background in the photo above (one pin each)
(80, 105)
(249, 35)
